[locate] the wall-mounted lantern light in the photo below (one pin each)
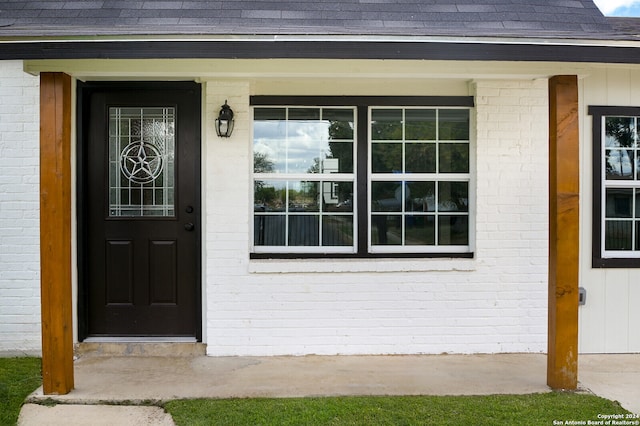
(224, 122)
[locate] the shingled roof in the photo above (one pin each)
(465, 18)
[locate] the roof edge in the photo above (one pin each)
(361, 38)
(279, 47)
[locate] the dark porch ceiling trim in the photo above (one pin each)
(317, 50)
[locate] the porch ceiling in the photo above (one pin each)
(300, 70)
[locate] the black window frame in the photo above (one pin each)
(597, 113)
(362, 105)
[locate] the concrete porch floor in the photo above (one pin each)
(102, 381)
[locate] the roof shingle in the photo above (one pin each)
(466, 18)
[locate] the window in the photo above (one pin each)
(616, 186)
(419, 170)
(303, 164)
(375, 178)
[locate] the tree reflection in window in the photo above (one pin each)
(620, 148)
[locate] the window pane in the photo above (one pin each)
(453, 196)
(386, 124)
(269, 230)
(618, 235)
(340, 145)
(340, 123)
(298, 140)
(307, 142)
(262, 163)
(453, 230)
(619, 164)
(453, 125)
(337, 196)
(420, 230)
(339, 158)
(619, 202)
(619, 132)
(269, 140)
(269, 196)
(454, 158)
(303, 230)
(420, 124)
(303, 197)
(386, 196)
(386, 230)
(421, 196)
(386, 157)
(420, 158)
(638, 204)
(304, 114)
(269, 114)
(337, 230)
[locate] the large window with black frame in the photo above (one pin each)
(398, 178)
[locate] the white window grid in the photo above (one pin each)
(320, 178)
(351, 177)
(405, 177)
(633, 184)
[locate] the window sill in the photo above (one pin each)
(310, 266)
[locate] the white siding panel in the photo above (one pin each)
(616, 308)
(592, 325)
(609, 322)
(618, 85)
(634, 316)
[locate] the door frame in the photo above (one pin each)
(84, 91)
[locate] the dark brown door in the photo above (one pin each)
(142, 207)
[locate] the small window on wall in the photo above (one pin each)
(362, 180)
(616, 186)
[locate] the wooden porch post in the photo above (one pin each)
(564, 187)
(55, 233)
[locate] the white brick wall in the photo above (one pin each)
(19, 211)
(494, 303)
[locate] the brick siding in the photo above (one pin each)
(19, 211)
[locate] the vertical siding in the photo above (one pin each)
(609, 322)
(19, 211)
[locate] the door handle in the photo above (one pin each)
(189, 226)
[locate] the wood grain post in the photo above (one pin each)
(564, 188)
(55, 233)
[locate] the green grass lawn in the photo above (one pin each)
(18, 378)
(534, 409)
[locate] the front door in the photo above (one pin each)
(141, 218)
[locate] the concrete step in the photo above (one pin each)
(147, 349)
